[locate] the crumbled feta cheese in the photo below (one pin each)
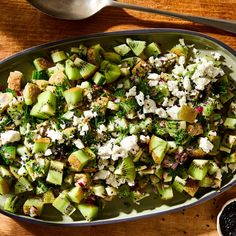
(149, 106)
(111, 180)
(76, 120)
(153, 83)
(48, 152)
(144, 139)
(155, 61)
(181, 41)
(101, 129)
(141, 116)
(118, 152)
(172, 85)
(22, 171)
(102, 174)
(182, 101)
(89, 114)
(83, 129)
(181, 60)
(173, 112)
(105, 151)
(161, 113)
(10, 136)
(165, 102)
(89, 96)
(178, 70)
(129, 144)
(201, 83)
(131, 92)
(212, 133)
(140, 98)
(154, 76)
(78, 143)
(205, 145)
(111, 191)
(195, 51)
(187, 83)
(216, 55)
(55, 135)
(63, 126)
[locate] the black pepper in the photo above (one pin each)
(228, 220)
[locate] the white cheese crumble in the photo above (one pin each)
(154, 76)
(22, 171)
(129, 144)
(10, 136)
(149, 106)
(181, 60)
(144, 139)
(48, 152)
(131, 92)
(102, 174)
(205, 145)
(140, 98)
(182, 101)
(178, 70)
(111, 191)
(187, 83)
(161, 113)
(216, 55)
(78, 143)
(83, 128)
(212, 133)
(55, 135)
(89, 114)
(172, 85)
(101, 129)
(173, 112)
(201, 83)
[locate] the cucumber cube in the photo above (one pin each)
(158, 149)
(198, 169)
(230, 123)
(58, 56)
(4, 186)
(179, 184)
(122, 49)
(41, 145)
(55, 173)
(23, 185)
(72, 71)
(89, 211)
(73, 96)
(165, 192)
(33, 206)
(78, 160)
(62, 204)
(76, 194)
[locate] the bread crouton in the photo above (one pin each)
(14, 80)
(57, 78)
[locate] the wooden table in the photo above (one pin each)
(21, 26)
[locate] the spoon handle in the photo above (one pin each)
(227, 25)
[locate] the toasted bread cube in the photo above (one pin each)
(14, 80)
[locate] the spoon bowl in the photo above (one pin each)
(81, 9)
(70, 10)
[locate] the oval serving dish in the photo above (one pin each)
(119, 210)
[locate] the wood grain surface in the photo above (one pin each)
(22, 26)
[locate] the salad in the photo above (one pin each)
(95, 123)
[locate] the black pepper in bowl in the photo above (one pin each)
(227, 220)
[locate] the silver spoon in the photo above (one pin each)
(81, 9)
